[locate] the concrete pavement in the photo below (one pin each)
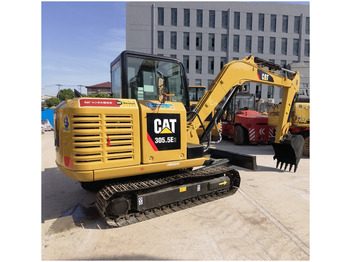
(267, 219)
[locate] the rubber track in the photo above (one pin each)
(110, 191)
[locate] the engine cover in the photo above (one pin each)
(162, 128)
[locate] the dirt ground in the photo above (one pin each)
(267, 219)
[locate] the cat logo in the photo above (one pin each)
(164, 126)
(164, 131)
(264, 76)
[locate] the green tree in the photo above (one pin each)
(100, 95)
(66, 94)
(53, 101)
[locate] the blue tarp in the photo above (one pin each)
(47, 114)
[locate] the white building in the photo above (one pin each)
(206, 35)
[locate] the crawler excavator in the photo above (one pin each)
(141, 149)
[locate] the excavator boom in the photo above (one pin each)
(250, 69)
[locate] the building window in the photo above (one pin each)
(248, 43)
(283, 63)
(285, 24)
(211, 65)
(186, 40)
(284, 46)
(212, 18)
(197, 82)
(160, 39)
(270, 90)
(260, 44)
(224, 19)
(210, 82)
(173, 16)
(258, 91)
(198, 64)
(237, 20)
(173, 40)
(224, 42)
(296, 47)
(186, 61)
(160, 15)
(273, 23)
(247, 88)
(199, 18)
(235, 43)
(307, 25)
(199, 41)
(187, 17)
(211, 42)
(296, 24)
(307, 48)
(261, 22)
(272, 45)
(249, 25)
(173, 56)
(223, 61)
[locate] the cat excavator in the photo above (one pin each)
(141, 150)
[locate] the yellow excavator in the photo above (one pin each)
(141, 150)
(300, 120)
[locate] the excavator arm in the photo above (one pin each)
(251, 69)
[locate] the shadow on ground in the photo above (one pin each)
(64, 200)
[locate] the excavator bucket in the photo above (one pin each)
(289, 152)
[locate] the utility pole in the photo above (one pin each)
(59, 87)
(80, 87)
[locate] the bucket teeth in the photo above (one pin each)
(284, 165)
(289, 152)
(277, 163)
(290, 167)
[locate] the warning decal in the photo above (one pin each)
(163, 131)
(105, 102)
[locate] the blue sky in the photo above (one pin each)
(79, 40)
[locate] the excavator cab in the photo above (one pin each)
(149, 77)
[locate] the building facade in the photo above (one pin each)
(104, 88)
(207, 35)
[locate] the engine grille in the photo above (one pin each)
(102, 138)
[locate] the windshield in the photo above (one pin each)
(192, 94)
(244, 102)
(200, 93)
(196, 93)
(143, 75)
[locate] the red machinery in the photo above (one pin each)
(243, 123)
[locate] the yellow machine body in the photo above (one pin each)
(98, 139)
(300, 115)
(106, 138)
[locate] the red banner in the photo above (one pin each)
(99, 102)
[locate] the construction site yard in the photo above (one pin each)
(266, 219)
